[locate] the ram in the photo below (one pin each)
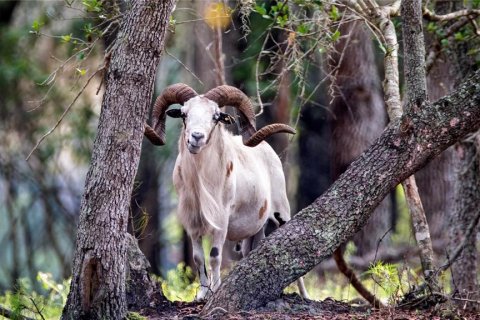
(227, 185)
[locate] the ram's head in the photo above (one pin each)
(201, 113)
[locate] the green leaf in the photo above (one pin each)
(303, 29)
(81, 55)
(66, 38)
(282, 20)
(431, 27)
(473, 51)
(36, 25)
(334, 13)
(81, 72)
(92, 5)
(444, 42)
(459, 36)
(261, 10)
(335, 36)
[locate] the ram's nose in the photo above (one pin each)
(197, 136)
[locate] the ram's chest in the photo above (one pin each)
(203, 195)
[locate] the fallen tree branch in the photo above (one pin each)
(387, 255)
(354, 281)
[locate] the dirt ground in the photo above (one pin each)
(292, 306)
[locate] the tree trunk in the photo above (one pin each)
(358, 118)
(99, 267)
(316, 231)
(467, 199)
(435, 181)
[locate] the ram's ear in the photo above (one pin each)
(174, 113)
(226, 118)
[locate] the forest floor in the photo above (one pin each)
(292, 306)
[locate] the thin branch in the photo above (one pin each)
(257, 77)
(63, 114)
(184, 66)
(429, 15)
(37, 308)
(380, 241)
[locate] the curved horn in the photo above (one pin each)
(231, 96)
(176, 93)
(267, 131)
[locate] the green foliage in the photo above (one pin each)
(394, 283)
(334, 13)
(66, 38)
(92, 5)
(36, 25)
(24, 301)
(179, 284)
(335, 36)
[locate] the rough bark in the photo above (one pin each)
(141, 290)
(414, 49)
(99, 270)
(467, 198)
(316, 231)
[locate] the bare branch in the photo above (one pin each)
(184, 66)
(429, 15)
(63, 114)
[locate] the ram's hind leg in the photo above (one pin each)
(199, 259)
(251, 243)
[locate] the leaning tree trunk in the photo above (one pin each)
(315, 232)
(99, 268)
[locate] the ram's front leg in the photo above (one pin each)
(216, 256)
(199, 259)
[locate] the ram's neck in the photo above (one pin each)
(202, 181)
